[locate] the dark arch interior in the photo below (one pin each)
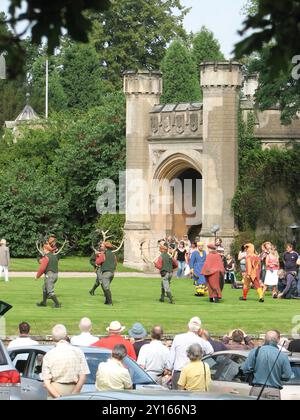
(195, 230)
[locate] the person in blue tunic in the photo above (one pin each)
(197, 261)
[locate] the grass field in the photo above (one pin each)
(137, 300)
(80, 264)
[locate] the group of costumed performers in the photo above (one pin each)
(105, 263)
(49, 267)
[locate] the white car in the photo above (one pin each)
(10, 381)
(228, 377)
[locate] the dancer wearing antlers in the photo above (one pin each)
(166, 265)
(105, 263)
(49, 267)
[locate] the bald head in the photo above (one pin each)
(157, 332)
(272, 337)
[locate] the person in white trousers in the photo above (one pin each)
(4, 259)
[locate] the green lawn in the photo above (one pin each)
(137, 300)
(80, 264)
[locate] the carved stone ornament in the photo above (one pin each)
(166, 123)
(154, 124)
(194, 122)
(179, 124)
(156, 154)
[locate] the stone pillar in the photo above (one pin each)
(143, 90)
(221, 83)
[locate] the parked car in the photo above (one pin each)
(28, 361)
(228, 377)
(9, 376)
(155, 395)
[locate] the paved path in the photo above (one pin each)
(81, 275)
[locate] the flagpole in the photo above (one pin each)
(47, 89)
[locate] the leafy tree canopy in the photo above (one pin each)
(46, 19)
(277, 22)
(134, 34)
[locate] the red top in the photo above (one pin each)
(43, 265)
(212, 265)
(100, 259)
(272, 262)
(112, 340)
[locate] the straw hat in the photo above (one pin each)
(115, 327)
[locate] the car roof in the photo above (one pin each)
(47, 347)
(293, 357)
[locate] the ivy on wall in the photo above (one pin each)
(268, 185)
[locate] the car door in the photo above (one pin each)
(20, 360)
(32, 383)
(291, 391)
(226, 375)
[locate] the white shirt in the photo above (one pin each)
(22, 342)
(153, 357)
(85, 339)
(178, 358)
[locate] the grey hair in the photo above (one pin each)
(59, 332)
(85, 325)
(194, 352)
(119, 352)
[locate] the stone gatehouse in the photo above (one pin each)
(191, 141)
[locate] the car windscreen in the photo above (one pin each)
(138, 375)
(296, 371)
(3, 359)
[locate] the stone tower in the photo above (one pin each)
(221, 84)
(143, 90)
(178, 141)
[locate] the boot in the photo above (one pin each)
(162, 297)
(260, 293)
(56, 303)
(92, 291)
(171, 301)
(44, 301)
(108, 297)
(216, 300)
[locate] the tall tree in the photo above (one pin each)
(82, 76)
(180, 76)
(206, 47)
(134, 34)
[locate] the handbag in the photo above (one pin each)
(187, 270)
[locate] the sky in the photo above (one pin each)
(223, 17)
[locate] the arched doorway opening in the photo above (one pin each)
(190, 220)
(182, 175)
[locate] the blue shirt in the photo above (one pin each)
(265, 360)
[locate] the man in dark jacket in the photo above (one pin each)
(166, 265)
